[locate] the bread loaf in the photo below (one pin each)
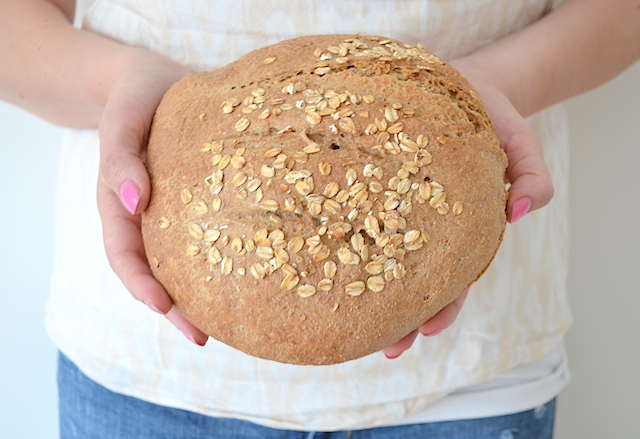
(318, 199)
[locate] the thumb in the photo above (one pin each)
(125, 123)
(122, 138)
(530, 182)
(531, 187)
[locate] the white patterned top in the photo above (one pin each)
(514, 314)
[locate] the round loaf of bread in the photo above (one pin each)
(318, 199)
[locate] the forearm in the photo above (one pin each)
(52, 69)
(577, 47)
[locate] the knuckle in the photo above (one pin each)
(110, 169)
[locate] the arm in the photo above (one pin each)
(577, 47)
(580, 45)
(79, 79)
(55, 71)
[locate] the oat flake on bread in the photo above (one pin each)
(318, 199)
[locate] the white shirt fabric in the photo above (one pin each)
(515, 314)
(525, 387)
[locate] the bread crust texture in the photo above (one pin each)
(318, 199)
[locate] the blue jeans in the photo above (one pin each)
(90, 411)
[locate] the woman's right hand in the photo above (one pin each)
(123, 184)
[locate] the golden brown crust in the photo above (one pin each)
(246, 211)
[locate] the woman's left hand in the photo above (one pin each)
(530, 183)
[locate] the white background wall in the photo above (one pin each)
(604, 282)
(602, 401)
(28, 152)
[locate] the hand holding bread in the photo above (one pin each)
(530, 183)
(123, 185)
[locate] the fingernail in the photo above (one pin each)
(520, 209)
(434, 333)
(392, 357)
(192, 340)
(152, 307)
(130, 197)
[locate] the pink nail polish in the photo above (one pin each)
(433, 334)
(130, 197)
(391, 358)
(520, 209)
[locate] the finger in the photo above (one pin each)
(125, 251)
(531, 185)
(433, 327)
(445, 317)
(123, 132)
(396, 349)
(192, 333)
(123, 245)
